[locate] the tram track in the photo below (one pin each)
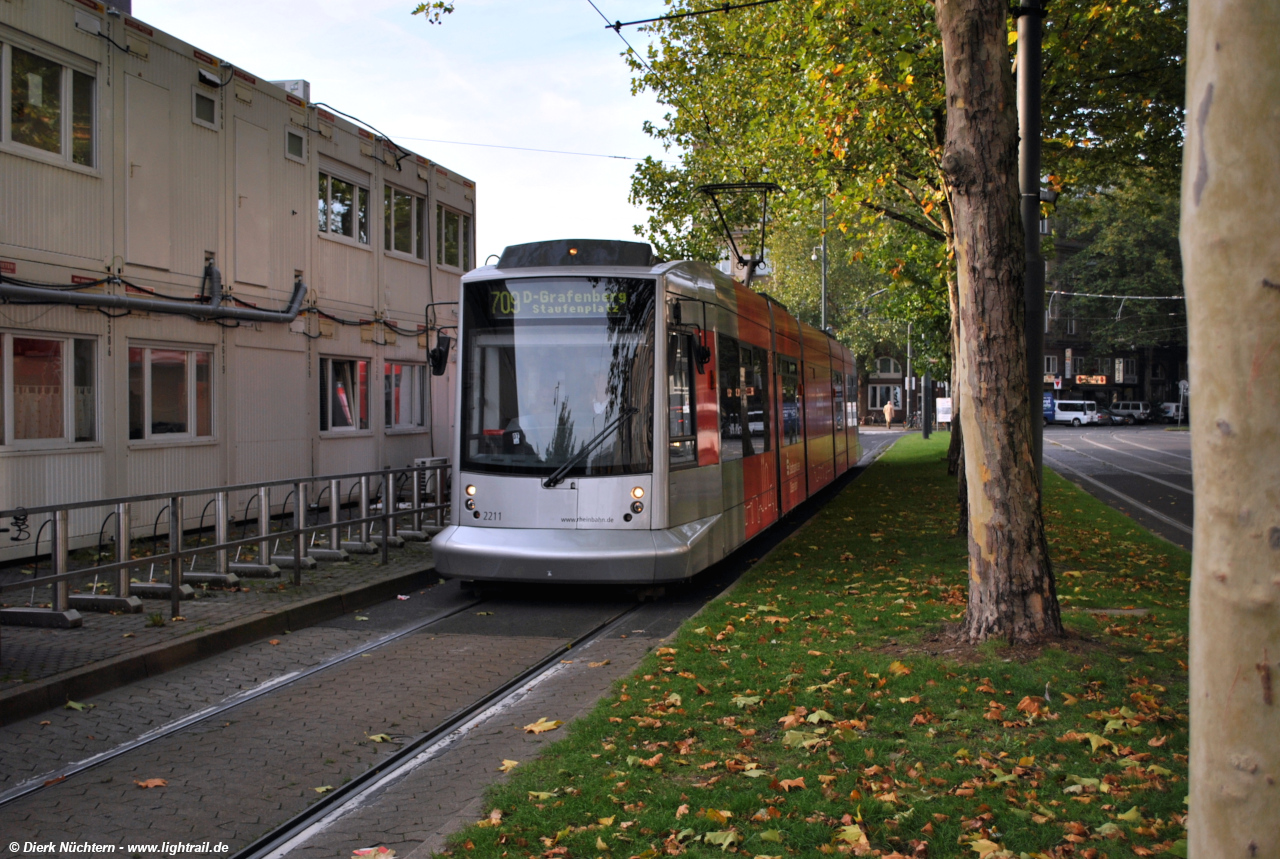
(419, 751)
(239, 699)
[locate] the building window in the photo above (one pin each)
(295, 146)
(344, 397)
(204, 109)
(879, 395)
(453, 238)
(1131, 369)
(682, 441)
(1051, 365)
(48, 390)
(343, 208)
(404, 222)
(405, 396)
(170, 393)
(888, 367)
(1071, 324)
(49, 107)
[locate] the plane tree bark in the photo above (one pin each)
(1011, 587)
(1231, 260)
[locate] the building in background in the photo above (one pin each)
(139, 166)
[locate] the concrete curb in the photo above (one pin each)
(98, 677)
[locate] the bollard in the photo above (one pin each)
(386, 517)
(335, 490)
(299, 522)
(220, 530)
(264, 524)
(364, 508)
(61, 537)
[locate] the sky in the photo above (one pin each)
(541, 74)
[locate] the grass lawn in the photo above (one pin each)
(821, 707)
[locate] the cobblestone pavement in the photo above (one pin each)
(416, 814)
(234, 778)
(28, 653)
(31, 748)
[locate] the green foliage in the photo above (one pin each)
(845, 98)
(433, 11)
(1127, 240)
(820, 705)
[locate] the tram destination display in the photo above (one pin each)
(577, 299)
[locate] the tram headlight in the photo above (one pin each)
(469, 504)
(637, 507)
(471, 490)
(638, 492)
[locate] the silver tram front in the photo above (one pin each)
(554, 454)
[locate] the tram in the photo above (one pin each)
(629, 421)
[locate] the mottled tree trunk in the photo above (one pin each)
(955, 450)
(1231, 257)
(1011, 588)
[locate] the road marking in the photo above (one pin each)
(1136, 456)
(1143, 475)
(1117, 493)
(1155, 449)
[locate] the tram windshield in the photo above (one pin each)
(558, 370)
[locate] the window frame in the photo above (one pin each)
(687, 443)
(327, 430)
(423, 386)
(197, 92)
(65, 156)
(291, 131)
(8, 396)
(192, 434)
(361, 189)
(789, 368)
(1051, 365)
(895, 368)
(466, 238)
(418, 224)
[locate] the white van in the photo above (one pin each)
(1074, 412)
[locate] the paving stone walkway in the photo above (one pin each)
(30, 655)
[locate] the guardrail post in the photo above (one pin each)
(59, 546)
(335, 509)
(175, 563)
(299, 523)
(418, 475)
(220, 528)
(264, 524)
(364, 508)
(124, 542)
(386, 516)
(393, 498)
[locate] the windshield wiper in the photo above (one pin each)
(557, 476)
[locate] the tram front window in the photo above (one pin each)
(556, 365)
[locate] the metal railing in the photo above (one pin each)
(418, 494)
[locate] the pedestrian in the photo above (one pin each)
(888, 414)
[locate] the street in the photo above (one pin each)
(1143, 471)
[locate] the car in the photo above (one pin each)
(1137, 410)
(1074, 412)
(1113, 417)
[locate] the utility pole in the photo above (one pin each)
(1030, 14)
(910, 380)
(824, 262)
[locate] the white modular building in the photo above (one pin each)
(146, 181)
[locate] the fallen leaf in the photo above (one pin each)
(682, 811)
(1157, 742)
(483, 613)
(541, 794)
(324, 789)
(55, 780)
(127, 635)
(46, 722)
(600, 664)
(724, 840)
(542, 726)
(600, 843)
(898, 669)
(716, 815)
(361, 617)
(788, 783)
(1130, 816)
(606, 821)
(494, 818)
(380, 738)
(150, 783)
(401, 597)
(274, 641)
(508, 765)
(373, 853)
(77, 706)
(771, 835)
(982, 847)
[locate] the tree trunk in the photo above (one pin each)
(955, 450)
(1011, 587)
(1231, 259)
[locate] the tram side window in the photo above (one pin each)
(732, 404)
(789, 376)
(683, 441)
(837, 399)
(851, 397)
(755, 380)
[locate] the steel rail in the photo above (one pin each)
(275, 684)
(1153, 449)
(1139, 457)
(285, 837)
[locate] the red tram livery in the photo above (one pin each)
(625, 420)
